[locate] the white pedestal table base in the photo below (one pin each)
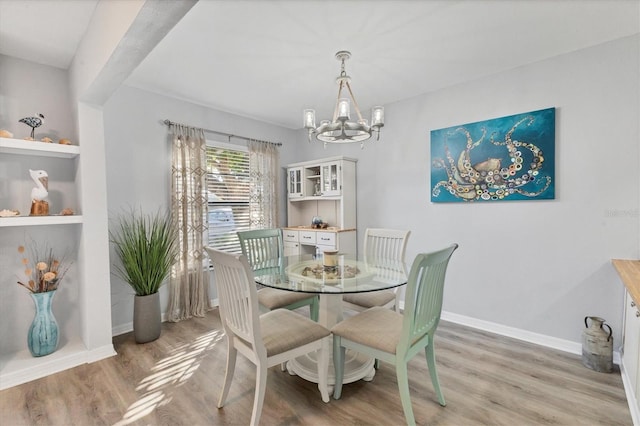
(356, 365)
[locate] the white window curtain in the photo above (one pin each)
(264, 160)
(189, 283)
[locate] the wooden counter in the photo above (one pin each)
(629, 271)
(327, 229)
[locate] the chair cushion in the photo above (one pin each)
(283, 330)
(272, 298)
(377, 327)
(370, 299)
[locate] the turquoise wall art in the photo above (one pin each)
(506, 158)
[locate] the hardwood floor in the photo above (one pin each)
(176, 380)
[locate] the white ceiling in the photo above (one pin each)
(269, 60)
(44, 31)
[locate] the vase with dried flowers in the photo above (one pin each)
(44, 271)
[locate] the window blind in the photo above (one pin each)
(228, 190)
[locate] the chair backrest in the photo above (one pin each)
(263, 248)
(423, 298)
(385, 244)
(237, 297)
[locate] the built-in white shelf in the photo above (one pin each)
(39, 220)
(21, 367)
(42, 149)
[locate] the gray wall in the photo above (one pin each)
(535, 266)
(27, 88)
(538, 266)
(138, 158)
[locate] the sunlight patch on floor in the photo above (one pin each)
(169, 373)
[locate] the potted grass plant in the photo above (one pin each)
(145, 245)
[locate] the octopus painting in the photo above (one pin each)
(508, 158)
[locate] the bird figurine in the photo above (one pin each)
(33, 122)
(39, 207)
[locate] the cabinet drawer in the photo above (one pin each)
(326, 238)
(288, 235)
(307, 237)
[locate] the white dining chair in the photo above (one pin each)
(266, 340)
(396, 338)
(264, 249)
(384, 250)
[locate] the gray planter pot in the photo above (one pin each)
(147, 318)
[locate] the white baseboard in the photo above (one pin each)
(503, 330)
(517, 333)
(23, 367)
(121, 329)
(102, 352)
(128, 327)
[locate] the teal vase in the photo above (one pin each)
(43, 333)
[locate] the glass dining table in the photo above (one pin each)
(343, 273)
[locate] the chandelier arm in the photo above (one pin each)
(335, 107)
(355, 103)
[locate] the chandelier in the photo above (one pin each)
(342, 129)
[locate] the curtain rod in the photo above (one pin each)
(228, 135)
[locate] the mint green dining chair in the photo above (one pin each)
(395, 338)
(384, 249)
(264, 249)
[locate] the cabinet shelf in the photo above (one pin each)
(39, 220)
(42, 149)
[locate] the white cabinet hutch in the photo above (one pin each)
(324, 188)
(79, 303)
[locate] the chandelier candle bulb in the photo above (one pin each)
(309, 118)
(377, 116)
(343, 109)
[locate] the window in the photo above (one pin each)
(228, 189)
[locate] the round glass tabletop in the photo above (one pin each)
(337, 274)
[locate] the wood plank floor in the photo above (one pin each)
(176, 380)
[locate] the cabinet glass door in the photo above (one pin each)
(330, 180)
(295, 182)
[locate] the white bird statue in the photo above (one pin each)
(33, 122)
(41, 179)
